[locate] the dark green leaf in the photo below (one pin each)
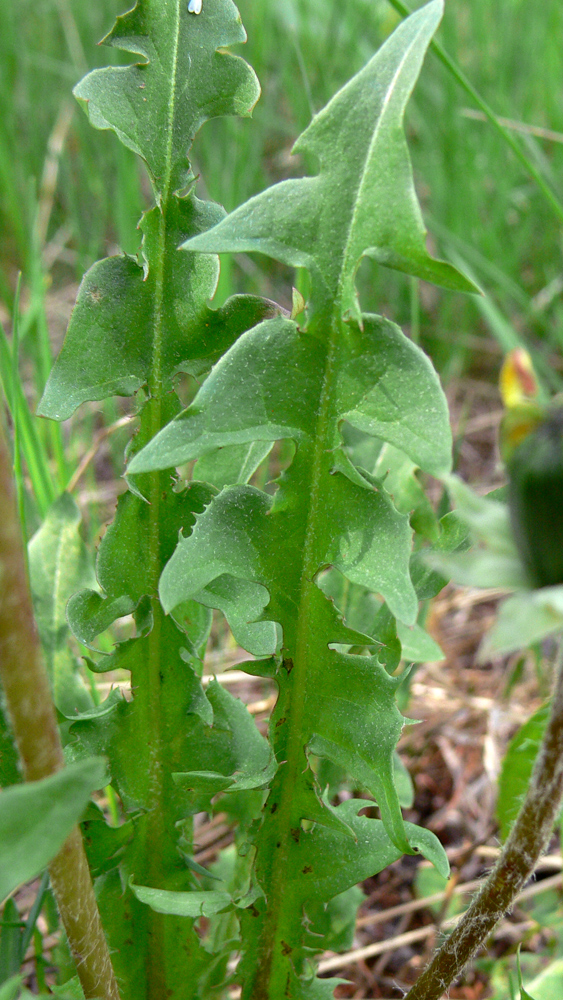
(184, 77)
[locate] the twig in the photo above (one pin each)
(90, 454)
(536, 130)
(528, 839)
(32, 715)
(421, 933)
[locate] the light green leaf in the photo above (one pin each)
(88, 614)
(362, 201)
(480, 568)
(547, 985)
(183, 904)
(232, 465)
(488, 519)
(242, 602)
(10, 990)
(37, 817)
(268, 387)
(388, 388)
(495, 561)
(284, 370)
(523, 619)
(72, 990)
(417, 646)
(116, 313)
(335, 920)
(59, 564)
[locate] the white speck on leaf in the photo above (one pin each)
(194, 6)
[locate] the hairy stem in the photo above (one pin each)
(528, 838)
(32, 715)
(282, 923)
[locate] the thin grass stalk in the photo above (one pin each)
(493, 118)
(32, 450)
(18, 472)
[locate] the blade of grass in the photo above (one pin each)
(32, 450)
(18, 472)
(495, 121)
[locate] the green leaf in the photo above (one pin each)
(362, 201)
(125, 306)
(523, 619)
(417, 646)
(257, 557)
(138, 323)
(545, 986)
(183, 904)
(104, 844)
(247, 761)
(116, 312)
(517, 768)
(242, 602)
(386, 387)
(37, 817)
(184, 77)
(322, 863)
(494, 562)
(10, 773)
(59, 564)
(232, 465)
(123, 557)
(11, 941)
(10, 990)
(72, 990)
(232, 536)
(335, 921)
(334, 862)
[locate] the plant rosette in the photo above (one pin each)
(528, 614)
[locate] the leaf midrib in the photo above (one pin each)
(362, 181)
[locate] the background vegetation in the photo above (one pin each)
(70, 195)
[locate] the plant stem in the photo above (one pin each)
(283, 924)
(32, 715)
(528, 839)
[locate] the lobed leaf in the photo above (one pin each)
(362, 201)
(118, 314)
(186, 76)
(268, 386)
